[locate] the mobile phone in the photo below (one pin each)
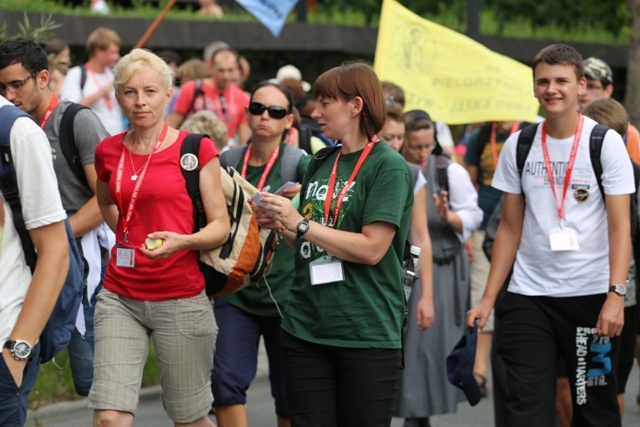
(286, 185)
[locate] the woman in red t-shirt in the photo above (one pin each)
(153, 286)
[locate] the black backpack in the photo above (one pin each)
(61, 323)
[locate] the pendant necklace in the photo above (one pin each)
(135, 174)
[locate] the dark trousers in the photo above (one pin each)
(532, 333)
(340, 387)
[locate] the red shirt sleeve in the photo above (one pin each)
(185, 97)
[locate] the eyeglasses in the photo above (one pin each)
(16, 85)
(275, 111)
(419, 148)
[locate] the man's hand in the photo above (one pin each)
(611, 318)
(16, 367)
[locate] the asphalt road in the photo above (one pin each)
(261, 413)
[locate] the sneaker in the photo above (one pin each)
(100, 7)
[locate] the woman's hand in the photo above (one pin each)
(291, 192)
(277, 212)
(441, 204)
(425, 313)
(171, 243)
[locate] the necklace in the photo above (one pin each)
(135, 174)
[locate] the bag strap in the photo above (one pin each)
(196, 93)
(191, 145)
(525, 141)
(304, 139)
(83, 76)
(289, 163)
(8, 180)
(231, 158)
(595, 150)
(68, 141)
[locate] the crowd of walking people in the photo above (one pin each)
(367, 184)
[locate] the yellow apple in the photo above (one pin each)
(153, 244)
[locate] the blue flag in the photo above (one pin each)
(272, 13)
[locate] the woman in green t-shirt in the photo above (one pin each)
(342, 325)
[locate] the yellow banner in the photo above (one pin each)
(455, 79)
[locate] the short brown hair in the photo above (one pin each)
(559, 54)
(192, 69)
(395, 113)
(347, 81)
(393, 93)
(608, 112)
(204, 121)
(101, 38)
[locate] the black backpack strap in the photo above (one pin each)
(68, 141)
(83, 76)
(191, 145)
(304, 139)
(196, 93)
(289, 163)
(525, 141)
(8, 180)
(595, 150)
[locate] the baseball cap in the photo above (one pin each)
(415, 115)
(291, 72)
(460, 366)
(597, 69)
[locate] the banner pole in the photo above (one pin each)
(145, 37)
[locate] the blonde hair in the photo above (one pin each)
(101, 38)
(193, 69)
(205, 121)
(139, 59)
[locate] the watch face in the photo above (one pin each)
(22, 350)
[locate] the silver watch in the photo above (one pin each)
(618, 289)
(20, 350)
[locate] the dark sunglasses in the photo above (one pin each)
(275, 111)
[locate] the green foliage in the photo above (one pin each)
(40, 33)
(55, 384)
(611, 16)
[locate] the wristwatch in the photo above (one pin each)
(20, 350)
(303, 227)
(618, 289)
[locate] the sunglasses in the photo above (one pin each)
(275, 111)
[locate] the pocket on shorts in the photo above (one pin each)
(106, 302)
(194, 316)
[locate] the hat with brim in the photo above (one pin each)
(460, 366)
(291, 72)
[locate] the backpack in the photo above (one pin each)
(525, 141)
(83, 76)
(244, 258)
(196, 93)
(57, 332)
(68, 141)
(309, 127)
(288, 166)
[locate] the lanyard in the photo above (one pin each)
(222, 110)
(572, 158)
(94, 77)
(50, 108)
(267, 167)
(332, 182)
(494, 144)
(136, 188)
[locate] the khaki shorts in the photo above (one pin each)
(183, 333)
(479, 274)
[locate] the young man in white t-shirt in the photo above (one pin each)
(566, 295)
(26, 302)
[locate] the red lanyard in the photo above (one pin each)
(94, 77)
(494, 144)
(267, 167)
(572, 158)
(332, 183)
(50, 108)
(136, 188)
(222, 108)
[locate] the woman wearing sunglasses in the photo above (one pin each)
(343, 321)
(267, 162)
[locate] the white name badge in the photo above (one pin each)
(563, 239)
(326, 270)
(125, 257)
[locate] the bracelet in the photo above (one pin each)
(281, 229)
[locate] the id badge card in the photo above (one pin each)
(563, 239)
(125, 257)
(326, 270)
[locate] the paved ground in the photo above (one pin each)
(260, 410)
